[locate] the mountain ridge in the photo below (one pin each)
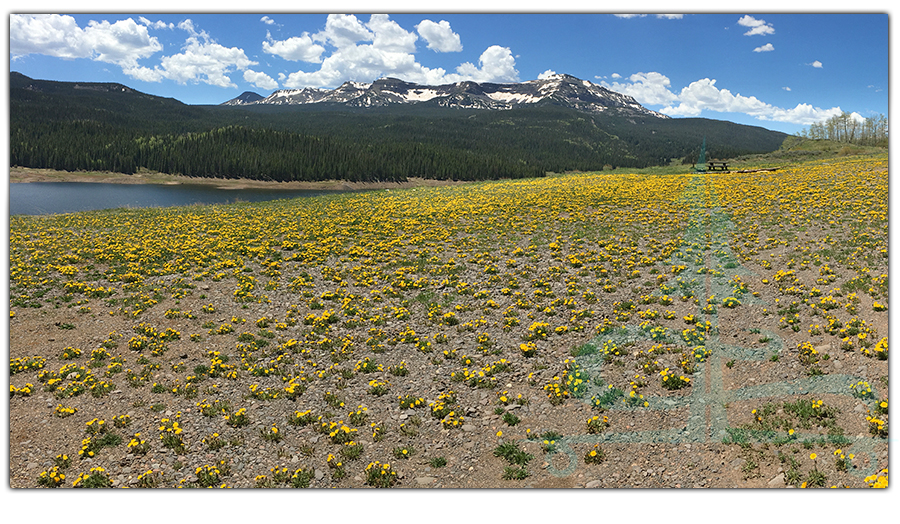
(366, 132)
(558, 89)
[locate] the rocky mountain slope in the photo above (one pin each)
(560, 89)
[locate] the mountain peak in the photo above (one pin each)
(559, 89)
(247, 97)
(558, 76)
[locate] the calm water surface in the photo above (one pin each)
(42, 198)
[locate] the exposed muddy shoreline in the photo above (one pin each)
(26, 175)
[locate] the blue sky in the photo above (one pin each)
(781, 71)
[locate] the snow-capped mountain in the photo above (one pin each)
(565, 90)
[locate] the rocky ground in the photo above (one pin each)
(326, 357)
(37, 434)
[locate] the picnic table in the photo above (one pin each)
(717, 166)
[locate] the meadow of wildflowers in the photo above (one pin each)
(461, 336)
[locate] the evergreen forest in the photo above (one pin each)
(109, 127)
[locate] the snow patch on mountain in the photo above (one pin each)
(559, 89)
(516, 98)
(422, 95)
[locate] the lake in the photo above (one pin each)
(42, 198)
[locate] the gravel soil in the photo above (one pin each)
(190, 369)
(37, 434)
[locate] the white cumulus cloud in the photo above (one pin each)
(344, 30)
(365, 51)
(206, 62)
(296, 48)
(757, 27)
(646, 88)
(188, 25)
(703, 95)
(816, 64)
(266, 20)
(123, 42)
(804, 114)
(159, 24)
(546, 74)
(260, 80)
(362, 63)
(201, 60)
(439, 36)
(764, 48)
(390, 37)
(497, 64)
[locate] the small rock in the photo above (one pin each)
(592, 484)
(424, 481)
(468, 428)
(778, 480)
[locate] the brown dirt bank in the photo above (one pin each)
(25, 174)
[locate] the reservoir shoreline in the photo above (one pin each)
(30, 175)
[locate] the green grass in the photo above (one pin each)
(510, 452)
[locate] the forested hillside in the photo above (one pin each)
(110, 127)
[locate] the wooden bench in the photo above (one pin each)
(717, 166)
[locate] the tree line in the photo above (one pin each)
(242, 152)
(848, 128)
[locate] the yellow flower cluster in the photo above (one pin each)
(878, 480)
(672, 381)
